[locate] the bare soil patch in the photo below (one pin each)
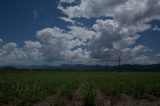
(101, 100)
(125, 100)
(76, 100)
(77, 97)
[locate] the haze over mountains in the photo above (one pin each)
(81, 67)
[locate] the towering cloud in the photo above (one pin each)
(114, 33)
(117, 36)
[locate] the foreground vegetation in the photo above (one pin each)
(28, 88)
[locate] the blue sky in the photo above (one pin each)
(18, 20)
(79, 31)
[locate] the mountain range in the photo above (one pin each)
(81, 67)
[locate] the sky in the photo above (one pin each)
(55, 32)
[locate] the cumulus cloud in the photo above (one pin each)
(54, 42)
(57, 44)
(111, 35)
(32, 50)
(10, 54)
(117, 36)
(132, 55)
(143, 60)
(81, 33)
(127, 10)
(102, 43)
(77, 54)
(52, 45)
(10, 46)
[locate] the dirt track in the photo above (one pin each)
(101, 100)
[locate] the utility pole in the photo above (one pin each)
(119, 63)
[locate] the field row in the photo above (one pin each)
(28, 88)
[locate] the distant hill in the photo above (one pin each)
(81, 67)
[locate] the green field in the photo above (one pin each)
(61, 88)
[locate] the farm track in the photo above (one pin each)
(49, 101)
(57, 100)
(77, 97)
(101, 100)
(125, 100)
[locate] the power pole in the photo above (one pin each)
(119, 63)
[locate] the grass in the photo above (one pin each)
(89, 93)
(134, 84)
(26, 88)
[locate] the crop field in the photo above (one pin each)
(79, 89)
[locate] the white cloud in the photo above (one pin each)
(81, 33)
(103, 43)
(156, 28)
(67, 1)
(124, 10)
(143, 60)
(77, 54)
(130, 53)
(31, 44)
(35, 14)
(158, 55)
(10, 54)
(1, 41)
(10, 47)
(113, 40)
(156, 58)
(55, 36)
(110, 34)
(32, 50)
(54, 42)
(57, 43)
(125, 42)
(53, 45)
(67, 19)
